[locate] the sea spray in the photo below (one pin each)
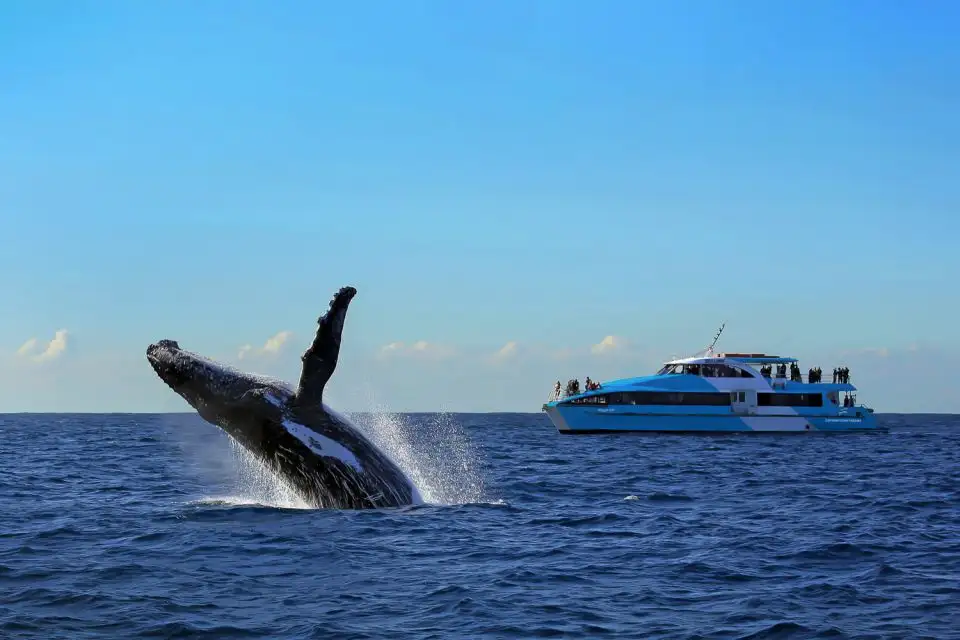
(220, 461)
(434, 450)
(256, 483)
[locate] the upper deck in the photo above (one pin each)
(744, 358)
(726, 372)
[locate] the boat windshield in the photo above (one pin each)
(670, 369)
(717, 370)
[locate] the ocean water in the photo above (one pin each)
(157, 526)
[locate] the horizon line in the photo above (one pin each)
(184, 413)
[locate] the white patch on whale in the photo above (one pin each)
(322, 445)
(274, 400)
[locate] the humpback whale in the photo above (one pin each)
(317, 451)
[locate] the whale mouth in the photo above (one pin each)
(161, 357)
(162, 344)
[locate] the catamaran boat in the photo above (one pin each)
(714, 393)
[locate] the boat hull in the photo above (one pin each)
(586, 420)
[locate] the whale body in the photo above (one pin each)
(314, 449)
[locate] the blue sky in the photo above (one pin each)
(535, 174)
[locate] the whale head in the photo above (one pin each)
(206, 385)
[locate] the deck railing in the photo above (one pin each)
(825, 378)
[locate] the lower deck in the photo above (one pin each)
(591, 419)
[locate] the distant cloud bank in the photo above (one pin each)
(53, 349)
(272, 346)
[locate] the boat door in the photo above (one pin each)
(744, 402)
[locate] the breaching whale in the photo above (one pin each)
(311, 447)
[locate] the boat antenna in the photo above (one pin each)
(715, 338)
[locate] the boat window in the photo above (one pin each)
(790, 399)
(670, 369)
(744, 373)
(601, 399)
(720, 371)
(667, 398)
(692, 369)
(655, 398)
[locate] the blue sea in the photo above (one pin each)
(128, 526)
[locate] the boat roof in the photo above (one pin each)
(746, 358)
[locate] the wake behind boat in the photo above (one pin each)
(715, 393)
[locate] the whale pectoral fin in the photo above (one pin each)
(320, 359)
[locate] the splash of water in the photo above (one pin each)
(435, 452)
(241, 476)
(256, 483)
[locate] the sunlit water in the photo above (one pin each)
(124, 526)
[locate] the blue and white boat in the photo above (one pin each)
(715, 393)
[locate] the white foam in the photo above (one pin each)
(438, 458)
(322, 445)
(416, 496)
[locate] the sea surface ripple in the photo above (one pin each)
(156, 526)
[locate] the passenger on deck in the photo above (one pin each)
(795, 373)
(834, 375)
(556, 391)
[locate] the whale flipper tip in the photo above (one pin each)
(320, 359)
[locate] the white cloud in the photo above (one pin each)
(52, 351)
(274, 344)
(421, 348)
(393, 347)
(506, 352)
(271, 347)
(27, 347)
(609, 344)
